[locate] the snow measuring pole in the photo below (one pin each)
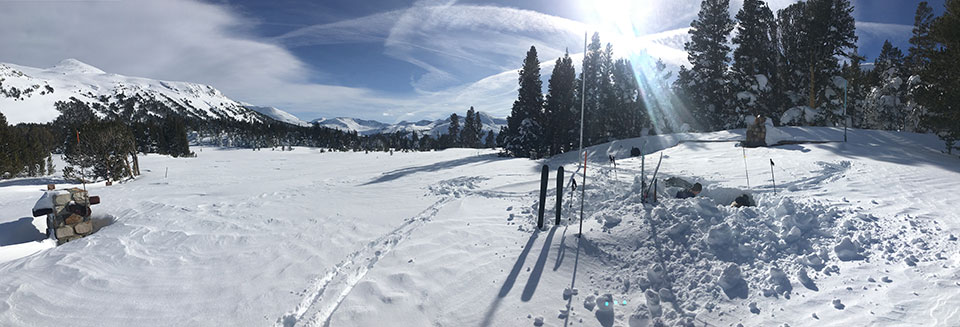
(583, 101)
(845, 110)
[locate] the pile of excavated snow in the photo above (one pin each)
(687, 257)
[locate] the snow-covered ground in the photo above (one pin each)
(253, 238)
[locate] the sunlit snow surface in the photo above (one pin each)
(253, 238)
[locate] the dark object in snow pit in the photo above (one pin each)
(68, 213)
(744, 200)
(635, 152)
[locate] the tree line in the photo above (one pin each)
(798, 67)
(104, 146)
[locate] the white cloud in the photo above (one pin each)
(469, 54)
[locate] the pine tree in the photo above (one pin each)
(859, 84)
(664, 112)
(562, 124)
(525, 123)
(453, 131)
(629, 116)
(477, 129)
(708, 54)
(754, 70)
(812, 35)
(917, 59)
(6, 149)
(921, 44)
(490, 141)
(885, 105)
(590, 94)
(941, 96)
(469, 136)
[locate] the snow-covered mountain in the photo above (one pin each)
(423, 127)
(28, 94)
(278, 115)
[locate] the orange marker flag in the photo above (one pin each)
(78, 137)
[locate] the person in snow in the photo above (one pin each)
(689, 193)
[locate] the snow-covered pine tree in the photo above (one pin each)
(708, 54)
(941, 96)
(885, 105)
(560, 108)
(524, 124)
(755, 63)
(857, 90)
(812, 35)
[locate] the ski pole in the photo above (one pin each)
(772, 177)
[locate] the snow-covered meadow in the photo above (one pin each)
(858, 233)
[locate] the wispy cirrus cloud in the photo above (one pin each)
(468, 54)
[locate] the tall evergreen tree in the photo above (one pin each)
(885, 105)
(708, 54)
(470, 137)
(812, 35)
(857, 90)
(6, 150)
(525, 123)
(453, 131)
(941, 96)
(590, 93)
(921, 44)
(754, 70)
(629, 116)
(562, 124)
(490, 141)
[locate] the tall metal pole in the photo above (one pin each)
(583, 101)
(845, 110)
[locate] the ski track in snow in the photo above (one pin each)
(330, 290)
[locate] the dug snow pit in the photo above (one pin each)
(848, 251)
(732, 282)
(538, 321)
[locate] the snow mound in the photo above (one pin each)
(698, 253)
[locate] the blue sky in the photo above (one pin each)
(371, 59)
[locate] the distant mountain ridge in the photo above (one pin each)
(422, 127)
(28, 95)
